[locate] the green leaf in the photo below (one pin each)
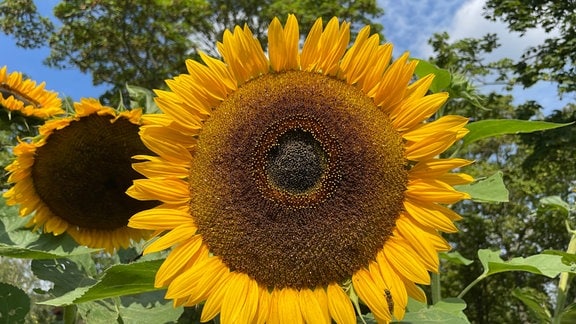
(536, 302)
(455, 257)
(47, 246)
(495, 127)
(568, 259)
(448, 311)
(557, 202)
(99, 312)
(14, 304)
(148, 308)
(64, 273)
(568, 315)
(548, 265)
(118, 280)
(142, 98)
(442, 77)
(12, 229)
(491, 189)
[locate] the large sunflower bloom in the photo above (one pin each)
(295, 183)
(75, 173)
(27, 98)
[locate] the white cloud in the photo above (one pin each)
(409, 24)
(469, 22)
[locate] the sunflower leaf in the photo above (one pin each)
(442, 77)
(455, 258)
(535, 301)
(14, 304)
(549, 265)
(448, 310)
(555, 202)
(118, 280)
(46, 246)
(495, 127)
(491, 189)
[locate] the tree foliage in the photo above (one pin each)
(145, 42)
(553, 60)
(534, 165)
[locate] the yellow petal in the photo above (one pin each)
(240, 300)
(340, 305)
(175, 236)
(160, 219)
(288, 306)
(370, 294)
(312, 310)
(406, 261)
(432, 215)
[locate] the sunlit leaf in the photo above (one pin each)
(148, 308)
(442, 77)
(448, 310)
(14, 304)
(495, 127)
(548, 265)
(491, 189)
(118, 280)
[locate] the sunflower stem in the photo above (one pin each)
(70, 314)
(435, 286)
(472, 284)
(564, 282)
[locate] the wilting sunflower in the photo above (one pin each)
(295, 183)
(75, 173)
(27, 98)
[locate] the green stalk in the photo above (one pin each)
(435, 287)
(70, 314)
(564, 283)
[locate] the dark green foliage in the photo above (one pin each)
(553, 60)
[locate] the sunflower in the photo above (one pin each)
(24, 96)
(295, 184)
(75, 173)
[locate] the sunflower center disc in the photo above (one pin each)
(297, 180)
(84, 169)
(296, 163)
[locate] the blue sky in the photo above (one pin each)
(408, 24)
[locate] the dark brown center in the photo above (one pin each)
(297, 180)
(82, 172)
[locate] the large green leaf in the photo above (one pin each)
(14, 304)
(549, 265)
(118, 280)
(495, 127)
(491, 189)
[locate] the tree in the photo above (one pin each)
(554, 59)
(145, 42)
(534, 166)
